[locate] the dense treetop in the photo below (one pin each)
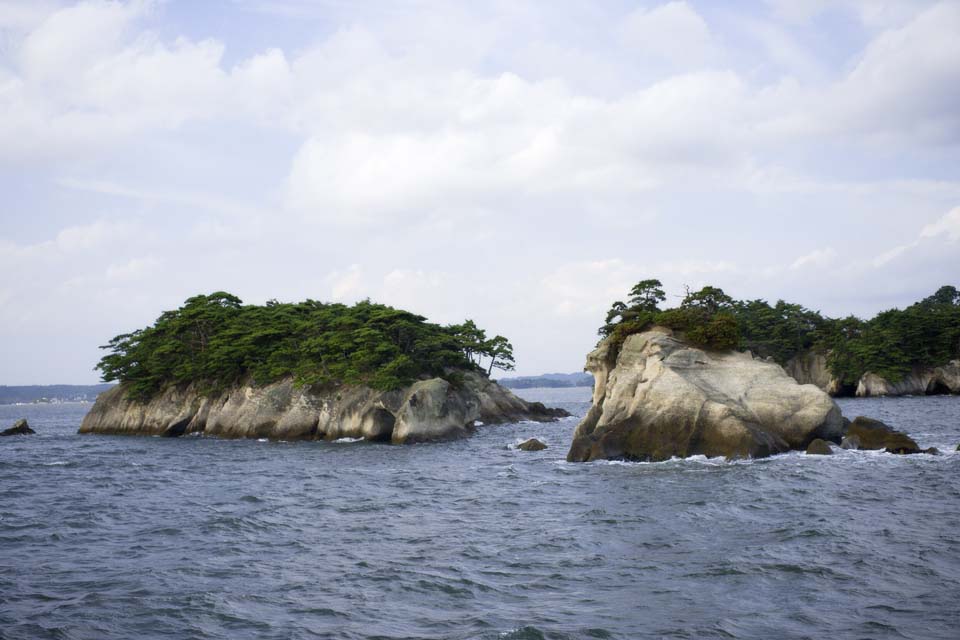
(926, 333)
(216, 340)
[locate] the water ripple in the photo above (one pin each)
(113, 537)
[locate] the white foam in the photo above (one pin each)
(347, 440)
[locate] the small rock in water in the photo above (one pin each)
(819, 448)
(933, 451)
(19, 428)
(850, 442)
(874, 434)
(532, 445)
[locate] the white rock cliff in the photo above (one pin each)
(426, 410)
(658, 397)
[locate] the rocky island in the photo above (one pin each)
(309, 370)
(685, 381)
(657, 397)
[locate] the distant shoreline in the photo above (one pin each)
(51, 393)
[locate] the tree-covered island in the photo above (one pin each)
(891, 344)
(215, 341)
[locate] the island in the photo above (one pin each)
(910, 351)
(305, 371)
(705, 378)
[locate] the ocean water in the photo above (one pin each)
(135, 537)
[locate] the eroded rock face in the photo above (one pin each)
(19, 428)
(658, 397)
(810, 367)
(920, 381)
(427, 410)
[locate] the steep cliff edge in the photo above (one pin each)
(657, 397)
(427, 410)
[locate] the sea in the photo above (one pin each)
(198, 538)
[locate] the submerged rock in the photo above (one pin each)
(873, 434)
(819, 448)
(19, 428)
(427, 410)
(532, 445)
(658, 397)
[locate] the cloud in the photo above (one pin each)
(948, 225)
(519, 163)
(906, 83)
(672, 33)
(346, 285)
(817, 258)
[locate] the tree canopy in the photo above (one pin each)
(216, 340)
(926, 333)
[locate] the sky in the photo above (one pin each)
(518, 163)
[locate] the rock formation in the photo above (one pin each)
(873, 434)
(657, 397)
(819, 448)
(920, 381)
(427, 410)
(810, 367)
(532, 445)
(19, 428)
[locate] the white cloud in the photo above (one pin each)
(672, 33)
(816, 258)
(948, 225)
(501, 161)
(907, 81)
(346, 285)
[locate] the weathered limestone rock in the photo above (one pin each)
(426, 410)
(810, 367)
(920, 381)
(658, 397)
(19, 428)
(873, 434)
(532, 445)
(819, 448)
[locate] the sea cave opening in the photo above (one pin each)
(937, 388)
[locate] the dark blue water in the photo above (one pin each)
(120, 537)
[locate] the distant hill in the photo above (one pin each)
(549, 380)
(52, 393)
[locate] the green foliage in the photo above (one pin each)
(891, 344)
(719, 332)
(779, 331)
(645, 296)
(710, 299)
(215, 340)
